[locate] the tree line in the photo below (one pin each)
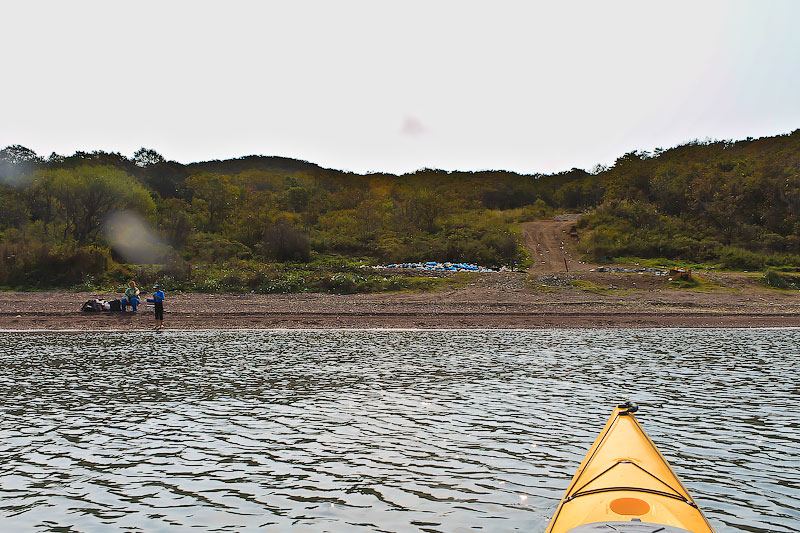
(736, 204)
(243, 212)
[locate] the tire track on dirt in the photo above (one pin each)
(552, 245)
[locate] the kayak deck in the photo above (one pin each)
(626, 481)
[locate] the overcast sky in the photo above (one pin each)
(396, 86)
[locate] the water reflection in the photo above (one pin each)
(382, 430)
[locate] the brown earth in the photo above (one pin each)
(488, 300)
(552, 245)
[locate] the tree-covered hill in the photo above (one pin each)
(736, 204)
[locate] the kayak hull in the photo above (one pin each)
(625, 479)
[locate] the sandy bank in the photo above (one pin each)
(509, 300)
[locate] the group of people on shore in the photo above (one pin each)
(132, 299)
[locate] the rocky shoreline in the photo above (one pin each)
(497, 300)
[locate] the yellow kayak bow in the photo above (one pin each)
(624, 484)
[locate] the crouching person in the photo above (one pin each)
(131, 297)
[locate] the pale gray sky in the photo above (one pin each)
(396, 86)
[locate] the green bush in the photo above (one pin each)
(284, 283)
(282, 242)
(350, 283)
(635, 229)
(35, 264)
(214, 248)
(778, 280)
(739, 259)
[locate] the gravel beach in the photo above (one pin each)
(496, 300)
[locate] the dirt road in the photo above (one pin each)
(552, 246)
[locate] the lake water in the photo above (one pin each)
(382, 430)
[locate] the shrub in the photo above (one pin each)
(283, 242)
(214, 248)
(772, 278)
(777, 280)
(738, 258)
(35, 264)
(284, 284)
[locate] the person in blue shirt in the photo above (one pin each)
(158, 302)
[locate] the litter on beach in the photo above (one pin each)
(627, 270)
(434, 266)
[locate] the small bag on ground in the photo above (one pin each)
(92, 306)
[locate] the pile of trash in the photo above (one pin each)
(433, 266)
(627, 270)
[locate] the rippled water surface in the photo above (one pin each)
(382, 430)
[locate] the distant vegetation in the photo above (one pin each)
(273, 224)
(736, 204)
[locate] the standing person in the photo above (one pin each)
(131, 297)
(158, 302)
